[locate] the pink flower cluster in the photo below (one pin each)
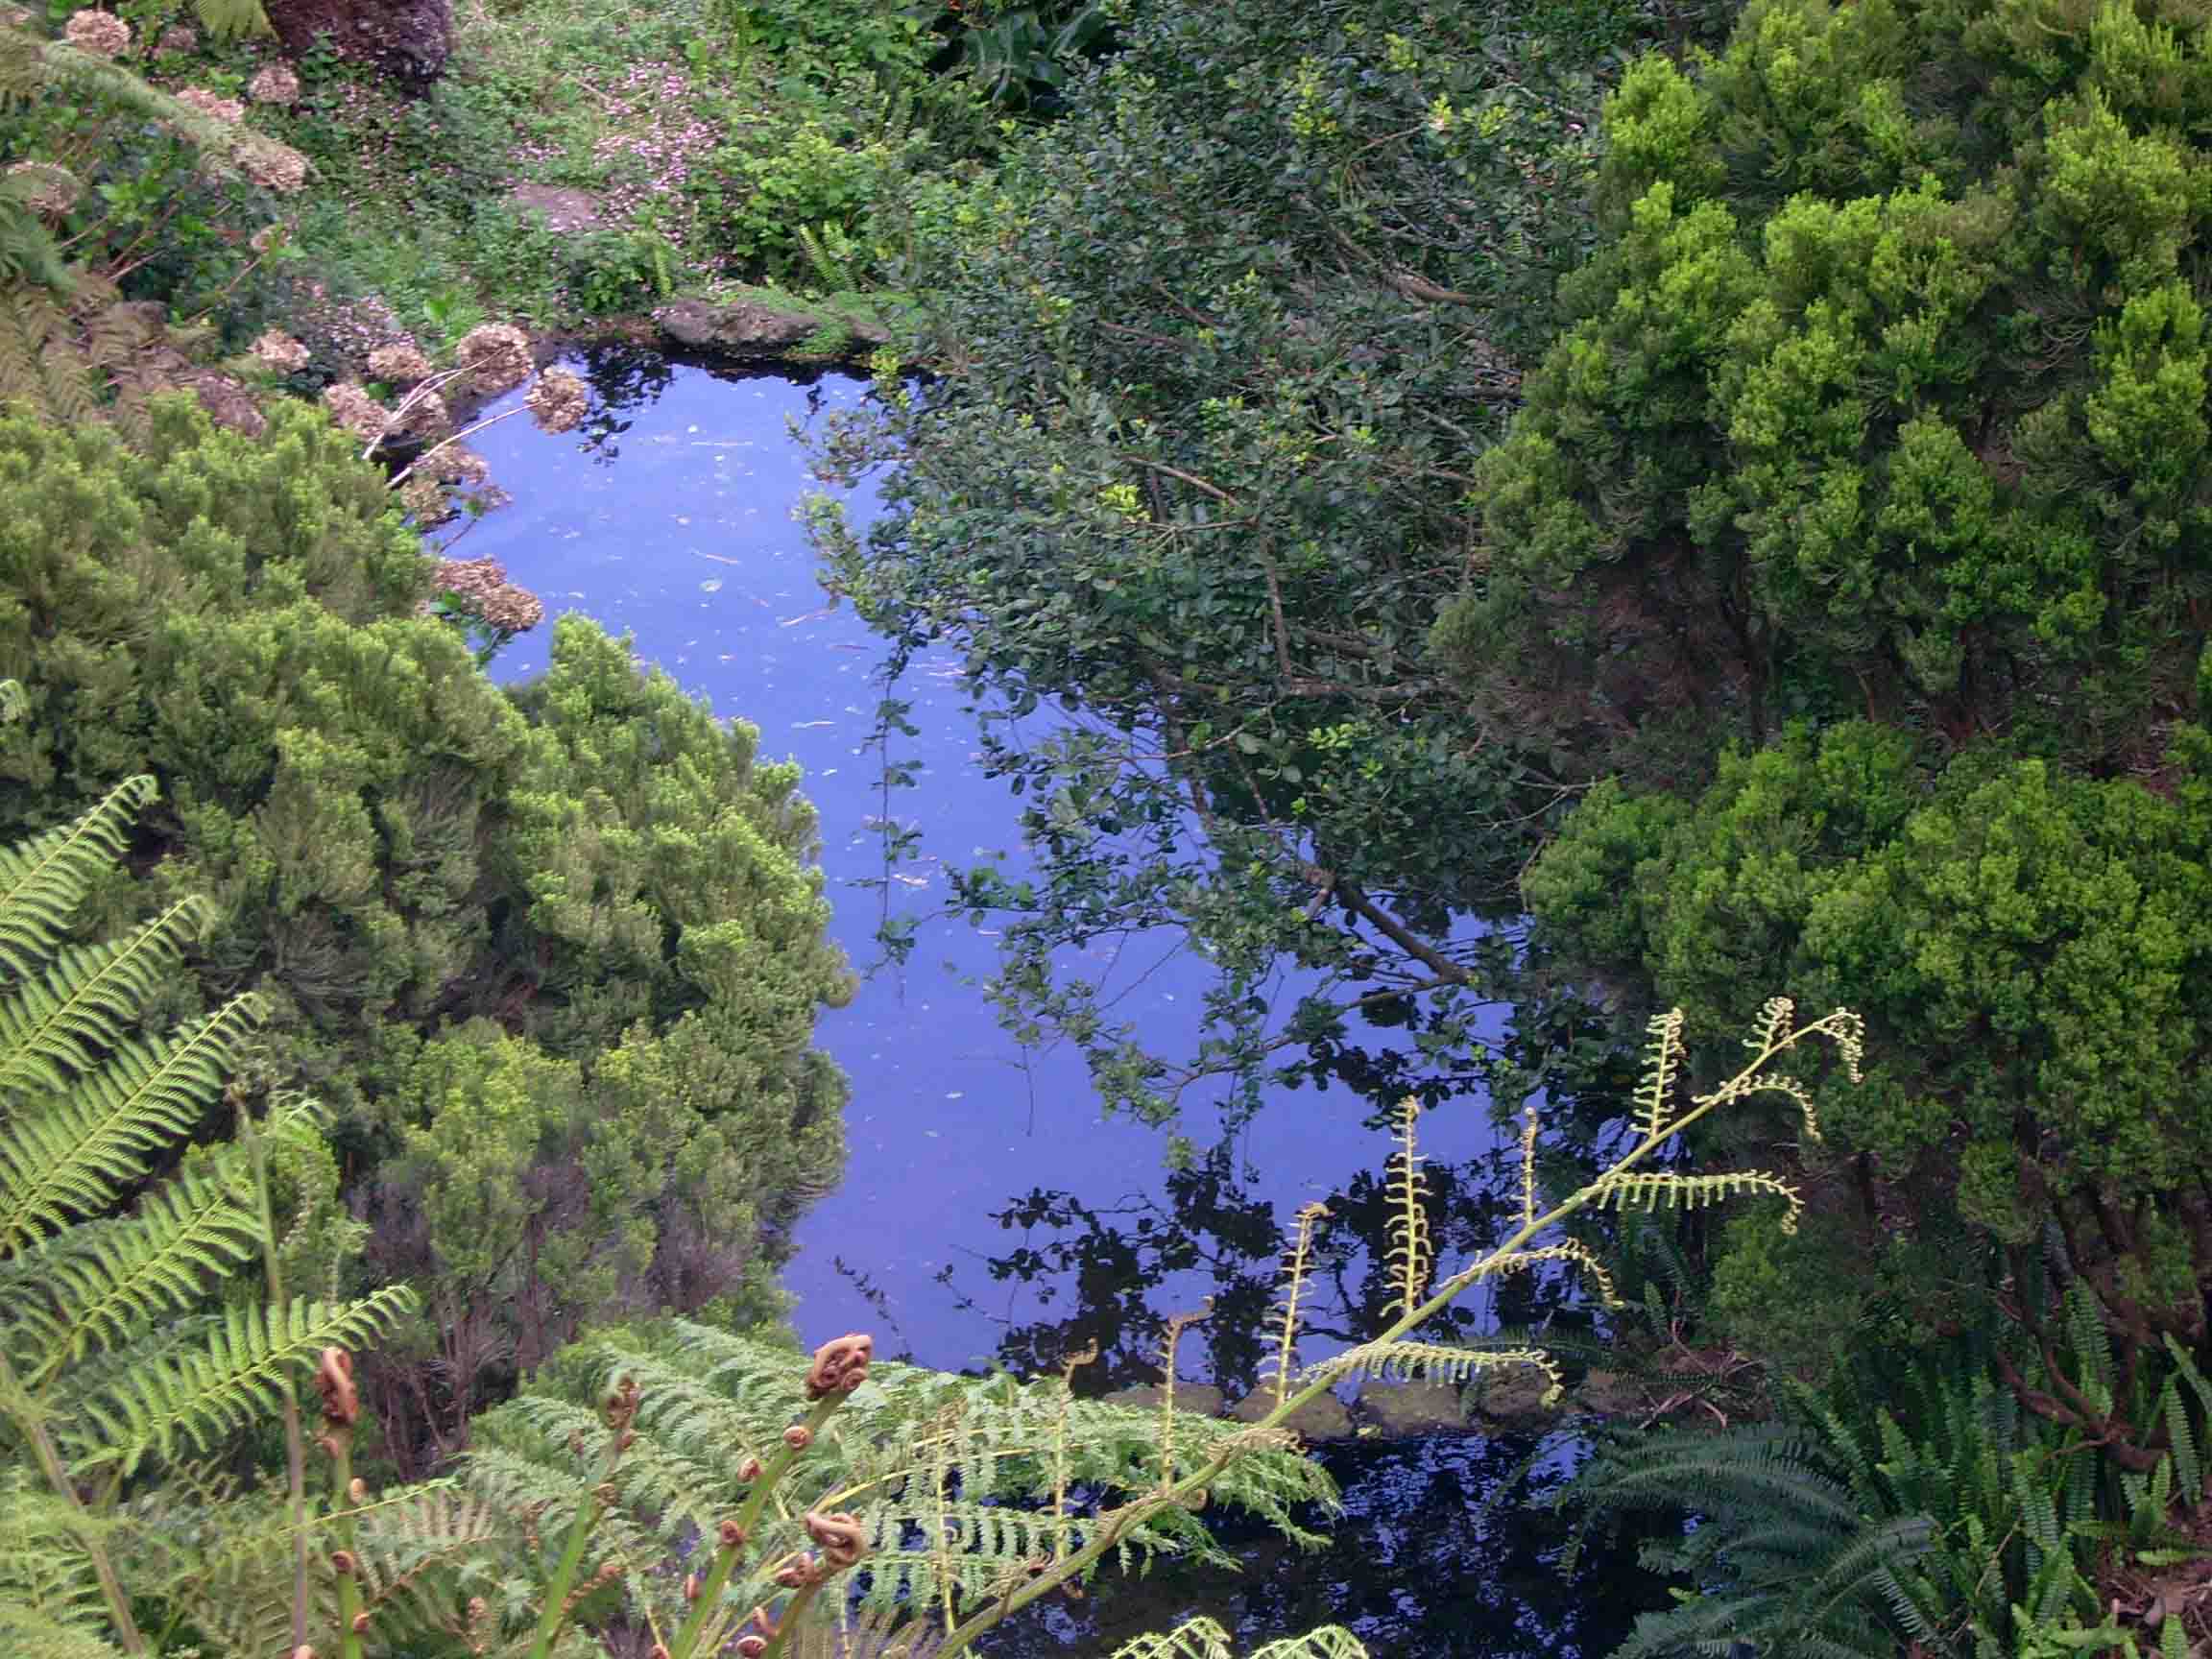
(227, 111)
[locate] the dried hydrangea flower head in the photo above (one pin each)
(44, 187)
(355, 410)
(496, 356)
(425, 501)
(177, 39)
(274, 84)
(482, 589)
(279, 351)
(425, 415)
(98, 34)
(461, 466)
(558, 401)
(512, 609)
(271, 165)
(227, 111)
(400, 362)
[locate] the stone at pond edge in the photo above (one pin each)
(747, 327)
(1512, 1392)
(1323, 1417)
(409, 39)
(1427, 1408)
(1202, 1397)
(1608, 1394)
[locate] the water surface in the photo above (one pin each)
(670, 516)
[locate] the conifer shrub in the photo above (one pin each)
(445, 893)
(1884, 398)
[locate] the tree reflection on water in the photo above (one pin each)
(1448, 1545)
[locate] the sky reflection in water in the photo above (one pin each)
(684, 534)
(674, 522)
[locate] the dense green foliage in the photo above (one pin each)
(2028, 947)
(1877, 444)
(1915, 1506)
(1884, 398)
(580, 918)
(1814, 600)
(1521, 569)
(1215, 346)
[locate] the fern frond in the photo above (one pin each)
(195, 1397)
(27, 1631)
(829, 252)
(1196, 1639)
(1295, 1266)
(1662, 1063)
(225, 18)
(48, 1588)
(1652, 1189)
(58, 1024)
(42, 880)
(1569, 1250)
(1771, 1032)
(190, 1231)
(75, 1152)
(1201, 1638)
(1410, 1254)
(1329, 1642)
(1402, 1362)
(955, 1479)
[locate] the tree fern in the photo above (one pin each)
(930, 1466)
(111, 1353)
(231, 1377)
(713, 1490)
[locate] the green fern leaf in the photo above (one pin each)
(42, 880)
(60, 1022)
(73, 1154)
(194, 1398)
(190, 1233)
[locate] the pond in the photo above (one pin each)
(669, 516)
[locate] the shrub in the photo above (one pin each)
(592, 866)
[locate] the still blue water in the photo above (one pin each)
(683, 536)
(673, 521)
